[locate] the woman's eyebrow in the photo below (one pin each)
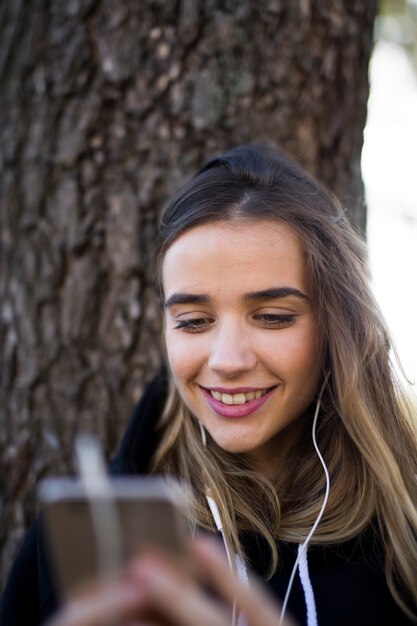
(275, 292)
(265, 294)
(186, 298)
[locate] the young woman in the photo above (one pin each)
(281, 413)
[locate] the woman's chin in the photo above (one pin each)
(235, 447)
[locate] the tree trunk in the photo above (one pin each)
(106, 107)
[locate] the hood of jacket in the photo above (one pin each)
(141, 436)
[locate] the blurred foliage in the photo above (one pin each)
(397, 22)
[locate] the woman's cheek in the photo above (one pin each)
(184, 354)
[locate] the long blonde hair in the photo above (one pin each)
(367, 426)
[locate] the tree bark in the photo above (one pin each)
(106, 107)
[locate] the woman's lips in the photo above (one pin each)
(237, 410)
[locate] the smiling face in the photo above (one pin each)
(241, 335)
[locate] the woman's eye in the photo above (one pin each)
(274, 320)
(197, 325)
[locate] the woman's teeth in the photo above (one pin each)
(238, 398)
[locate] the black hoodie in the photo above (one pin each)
(347, 579)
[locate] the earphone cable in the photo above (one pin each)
(304, 545)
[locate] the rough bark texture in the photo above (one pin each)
(106, 106)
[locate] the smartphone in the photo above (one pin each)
(83, 528)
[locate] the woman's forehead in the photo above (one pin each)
(240, 256)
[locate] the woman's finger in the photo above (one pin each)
(108, 604)
(257, 606)
(171, 593)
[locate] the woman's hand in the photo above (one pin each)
(157, 592)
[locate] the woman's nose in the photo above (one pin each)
(231, 352)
